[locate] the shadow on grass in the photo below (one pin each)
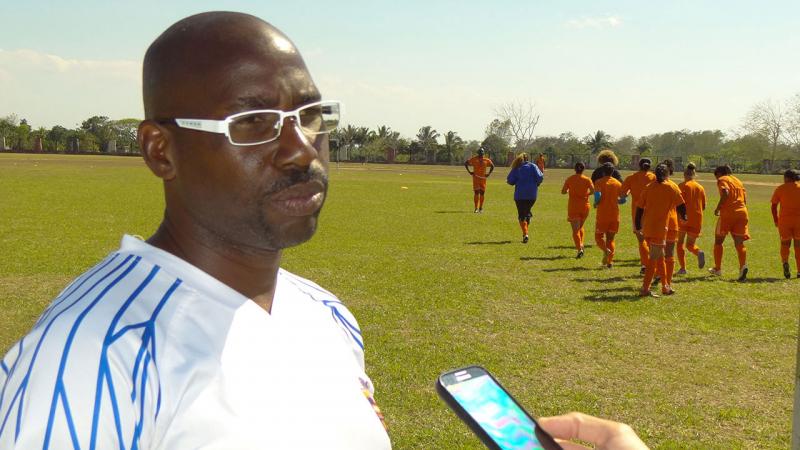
(626, 289)
(453, 212)
(632, 297)
(759, 280)
(605, 280)
(567, 269)
(543, 258)
(568, 247)
(488, 243)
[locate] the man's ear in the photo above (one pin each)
(154, 141)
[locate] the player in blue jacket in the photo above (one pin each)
(526, 178)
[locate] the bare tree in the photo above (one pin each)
(522, 119)
(770, 120)
(793, 125)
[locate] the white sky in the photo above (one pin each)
(625, 67)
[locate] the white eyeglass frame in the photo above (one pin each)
(223, 126)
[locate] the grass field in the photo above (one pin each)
(435, 286)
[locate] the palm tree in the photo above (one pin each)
(453, 145)
(599, 142)
(427, 140)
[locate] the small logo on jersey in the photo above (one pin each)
(365, 390)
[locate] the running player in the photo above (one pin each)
(635, 184)
(540, 162)
(607, 218)
(479, 176)
(673, 228)
(606, 156)
(526, 178)
(733, 219)
(787, 196)
(695, 197)
(579, 187)
(652, 218)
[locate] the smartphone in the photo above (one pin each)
(490, 411)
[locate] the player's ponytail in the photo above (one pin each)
(662, 172)
(579, 167)
(690, 171)
(521, 158)
(645, 164)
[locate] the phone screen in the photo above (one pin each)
(493, 409)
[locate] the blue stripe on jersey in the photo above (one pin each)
(3, 366)
(59, 387)
(74, 286)
(332, 303)
(20, 393)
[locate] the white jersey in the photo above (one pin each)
(145, 351)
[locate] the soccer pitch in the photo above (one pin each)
(435, 286)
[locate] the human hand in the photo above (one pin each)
(716, 212)
(603, 434)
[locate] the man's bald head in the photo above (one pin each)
(179, 64)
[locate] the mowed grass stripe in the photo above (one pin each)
(435, 286)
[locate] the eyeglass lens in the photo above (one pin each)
(264, 126)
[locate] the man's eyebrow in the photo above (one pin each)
(257, 102)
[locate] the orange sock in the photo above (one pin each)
(601, 243)
(649, 273)
(717, 256)
(785, 251)
(576, 238)
(681, 256)
(693, 248)
(797, 256)
(644, 252)
(669, 266)
(480, 201)
(661, 270)
(524, 226)
(741, 252)
(475, 199)
(612, 245)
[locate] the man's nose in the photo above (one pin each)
(295, 148)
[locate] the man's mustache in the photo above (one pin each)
(313, 174)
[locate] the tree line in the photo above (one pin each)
(770, 131)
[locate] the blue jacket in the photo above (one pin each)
(526, 180)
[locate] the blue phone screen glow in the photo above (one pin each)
(496, 412)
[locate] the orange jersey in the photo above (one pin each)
(540, 163)
(695, 198)
(735, 202)
(658, 200)
(579, 188)
(608, 208)
(673, 224)
(787, 196)
(479, 166)
(635, 184)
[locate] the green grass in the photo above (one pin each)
(435, 286)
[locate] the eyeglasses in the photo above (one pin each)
(264, 125)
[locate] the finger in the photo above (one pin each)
(580, 426)
(567, 445)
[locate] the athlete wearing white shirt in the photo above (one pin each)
(197, 338)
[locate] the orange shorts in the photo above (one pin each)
(578, 214)
(735, 224)
(789, 231)
(689, 228)
(478, 184)
(656, 240)
(606, 226)
(672, 236)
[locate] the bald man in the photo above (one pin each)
(196, 338)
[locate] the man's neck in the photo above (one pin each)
(253, 273)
